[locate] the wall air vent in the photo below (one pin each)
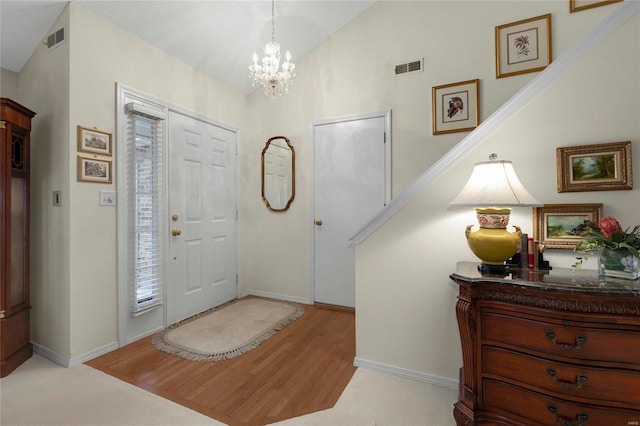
(410, 67)
(55, 38)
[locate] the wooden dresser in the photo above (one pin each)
(548, 348)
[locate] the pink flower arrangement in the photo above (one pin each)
(608, 233)
(609, 226)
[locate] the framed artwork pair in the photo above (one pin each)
(598, 167)
(94, 168)
(521, 47)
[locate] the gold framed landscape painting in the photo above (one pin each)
(455, 107)
(578, 5)
(561, 226)
(598, 167)
(523, 46)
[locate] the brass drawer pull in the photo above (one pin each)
(580, 339)
(580, 379)
(581, 417)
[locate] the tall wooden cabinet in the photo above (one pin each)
(15, 126)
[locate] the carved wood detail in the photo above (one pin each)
(562, 302)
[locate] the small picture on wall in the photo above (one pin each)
(561, 226)
(94, 170)
(455, 107)
(599, 167)
(578, 5)
(94, 140)
(523, 46)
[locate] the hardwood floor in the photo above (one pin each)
(301, 369)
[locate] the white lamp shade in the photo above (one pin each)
(494, 184)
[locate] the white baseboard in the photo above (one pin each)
(95, 353)
(69, 362)
(143, 335)
(50, 355)
(408, 374)
(278, 297)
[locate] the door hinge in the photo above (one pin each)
(385, 137)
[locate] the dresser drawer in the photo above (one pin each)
(600, 385)
(596, 344)
(539, 409)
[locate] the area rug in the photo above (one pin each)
(228, 330)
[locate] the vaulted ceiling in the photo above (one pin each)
(217, 37)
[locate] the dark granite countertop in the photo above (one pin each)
(563, 280)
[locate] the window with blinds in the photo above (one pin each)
(145, 134)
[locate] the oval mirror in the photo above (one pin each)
(278, 174)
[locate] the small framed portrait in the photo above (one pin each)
(523, 46)
(578, 5)
(94, 141)
(599, 167)
(561, 226)
(95, 170)
(455, 107)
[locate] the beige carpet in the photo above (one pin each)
(40, 392)
(227, 331)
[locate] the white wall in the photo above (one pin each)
(43, 86)
(8, 84)
(404, 312)
(405, 302)
(351, 73)
(74, 270)
(128, 60)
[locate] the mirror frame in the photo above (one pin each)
(293, 174)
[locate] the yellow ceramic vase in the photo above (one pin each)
(492, 243)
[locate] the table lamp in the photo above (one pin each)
(493, 189)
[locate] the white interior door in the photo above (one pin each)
(202, 217)
(351, 184)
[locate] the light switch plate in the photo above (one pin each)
(108, 198)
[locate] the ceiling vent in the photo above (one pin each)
(55, 38)
(413, 66)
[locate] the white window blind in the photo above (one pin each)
(145, 143)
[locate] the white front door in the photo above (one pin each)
(202, 217)
(351, 184)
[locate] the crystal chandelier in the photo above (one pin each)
(274, 82)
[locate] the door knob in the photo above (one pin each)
(175, 232)
(319, 222)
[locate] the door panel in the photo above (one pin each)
(202, 193)
(350, 187)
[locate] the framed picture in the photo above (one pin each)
(578, 5)
(94, 140)
(523, 46)
(96, 170)
(561, 226)
(600, 167)
(455, 107)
